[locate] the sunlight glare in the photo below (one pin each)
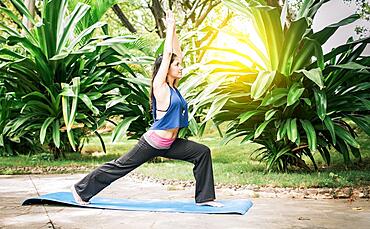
(229, 38)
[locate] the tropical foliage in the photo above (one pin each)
(66, 83)
(64, 77)
(297, 100)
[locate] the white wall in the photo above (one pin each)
(332, 12)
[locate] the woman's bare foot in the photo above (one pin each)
(211, 203)
(76, 197)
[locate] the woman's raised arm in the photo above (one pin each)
(177, 47)
(160, 78)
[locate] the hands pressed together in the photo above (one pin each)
(170, 20)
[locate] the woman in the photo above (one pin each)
(170, 115)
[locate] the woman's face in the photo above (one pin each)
(175, 69)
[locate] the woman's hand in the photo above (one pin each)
(170, 20)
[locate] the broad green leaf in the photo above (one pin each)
(295, 93)
(19, 5)
(262, 83)
(88, 103)
(79, 11)
(310, 133)
(304, 55)
(292, 130)
(282, 129)
(351, 66)
(41, 62)
(304, 9)
(288, 129)
(18, 22)
(71, 140)
(291, 42)
(228, 137)
(344, 48)
(114, 102)
(56, 133)
(346, 136)
(269, 114)
(273, 96)
(117, 40)
(76, 90)
(44, 128)
(319, 54)
(307, 101)
(272, 28)
(38, 105)
(36, 95)
(330, 126)
(60, 56)
(343, 149)
(1, 140)
(362, 122)
(216, 106)
(247, 138)
(320, 99)
(298, 140)
(355, 151)
(260, 128)
(84, 33)
(143, 81)
(69, 110)
(7, 52)
(247, 115)
(325, 155)
(121, 128)
(315, 75)
(323, 35)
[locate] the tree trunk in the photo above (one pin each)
(158, 14)
(125, 22)
(30, 4)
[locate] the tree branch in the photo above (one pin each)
(213, 35)
(188, 15)
(204, 15)
(158, 14)
(146, 28)
(125, 22)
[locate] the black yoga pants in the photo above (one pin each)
(181, 149)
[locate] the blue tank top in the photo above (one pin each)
(176, 115)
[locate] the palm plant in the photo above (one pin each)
(299, 100)
(8, 110)
(68, 83)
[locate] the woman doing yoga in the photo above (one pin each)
(170, 114)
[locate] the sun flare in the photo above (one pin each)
(239, 46)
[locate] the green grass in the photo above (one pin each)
(232, 164)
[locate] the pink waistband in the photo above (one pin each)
(160, 140)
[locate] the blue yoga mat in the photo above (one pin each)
(230, 206)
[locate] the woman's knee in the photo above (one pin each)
(205, 150)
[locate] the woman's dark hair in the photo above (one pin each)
(157, 64)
